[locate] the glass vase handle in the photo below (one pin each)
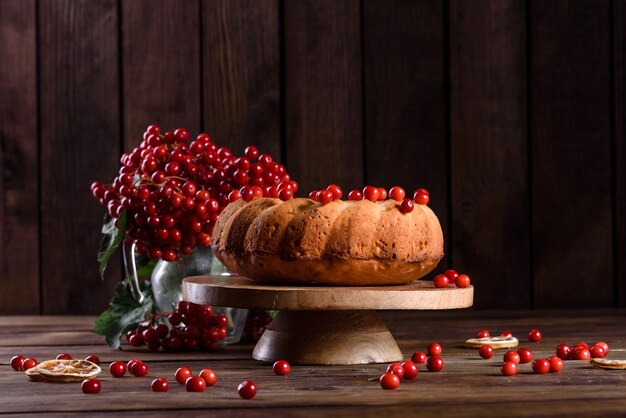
(130, 267)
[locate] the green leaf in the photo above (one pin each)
(112, 237)
(125, 312)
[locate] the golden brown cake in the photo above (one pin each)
(348, 243)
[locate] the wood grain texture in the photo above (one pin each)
(241, 292)
(19, 171)
(619, 149)
(80, 143)
(489, 169)
(327, 338)
(570, 105)
(161, 66)
(405, 100)
(241, 74)
(323, 109)
(578, 390)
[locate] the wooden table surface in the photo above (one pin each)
(468, 386)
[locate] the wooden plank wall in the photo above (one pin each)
(509, 111)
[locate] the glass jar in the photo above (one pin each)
(167, 278)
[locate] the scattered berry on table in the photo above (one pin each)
(506, 333)
(247, 389)
(410, 370)
(182, 374)
(281, 368)
(483, 333)
(512, 357)
(597, 351)
(462, 281)
(139, 369)
(508, 368)
(93, 358)
(16, 362)
(160, 384)
(419, 357)
(28, 363)
(117, 368)
(91, 386)
(396, 369)
(525, 355)
(541, 366)
(534, 335)
(389, 381)
(563, 351)
(434, 349)
(556, 364)
(435, 364)
(486, 351)
(195, 384)
(209, 376)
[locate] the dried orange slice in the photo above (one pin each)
(33, 375)
(500, 341)
(608, 364)
(68, 370)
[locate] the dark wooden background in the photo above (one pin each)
(509, 112)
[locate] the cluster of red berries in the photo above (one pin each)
(135, 367)
(256, 322)
(512, 359)
(582, 351)
(408, 370)
(194, 327)
(174, 192)
(372, 193)
(451, 277)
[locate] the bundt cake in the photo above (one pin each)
(340, 243)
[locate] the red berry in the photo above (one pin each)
(583, 354)
(563, 351)
(556, 364)
(16, 362)
(525, 355)
(397, 193)
(136, 340)
(28, 363)
(117, 368)
(604, 346)
(91, 386)
(382, 193)
(462, 281)
(355, 195)
(94, 359)
(247, 389)
(508, 368)
(325, 197)
(251, 152)
(396, 369)
(285, 194)
(195, 384)
(410, 370)
(209, 376)
(434, 349)
(281, 368)
(419, 357)
(451, 274)
(181, 134)
(441, 281)
(335, 190)
(421, 197)
(160, 384)
(512, 356)
(370, 193)
(182, 374)
(483, 333)
(434, 364)
(139, 369)
(406, 206)
(389, 381)
(64, 356)
(541, 366)
(506, 333)
(596, 351)
(486, 351)
(534, 335)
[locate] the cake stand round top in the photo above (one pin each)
(241, 292)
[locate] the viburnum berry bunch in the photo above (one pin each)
(173, 192)
(193, 327)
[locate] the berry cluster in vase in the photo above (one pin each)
(194, 327)
(173, 192)
(374, 194)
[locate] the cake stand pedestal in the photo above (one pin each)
(328, 325)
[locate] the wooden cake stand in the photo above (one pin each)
(328, 325)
